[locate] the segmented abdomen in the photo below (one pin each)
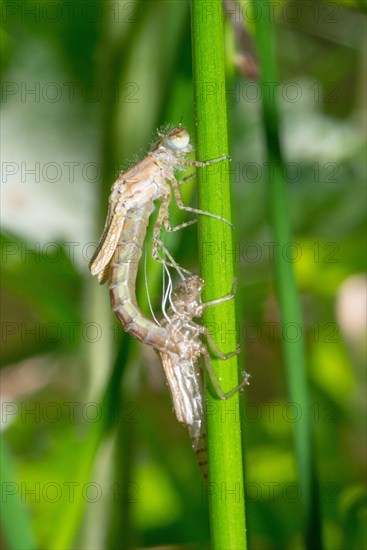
(122, 282)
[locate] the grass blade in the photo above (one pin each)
(289, 302)
(225, 490)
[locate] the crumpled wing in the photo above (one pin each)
(108, 243)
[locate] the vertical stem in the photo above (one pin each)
(289, 302)
(225, 490)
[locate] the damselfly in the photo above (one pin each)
(130, 204)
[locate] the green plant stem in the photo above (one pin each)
(289, 302)
(225, 490)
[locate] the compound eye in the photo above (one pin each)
(178, 139)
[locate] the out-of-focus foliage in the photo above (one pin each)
(84, 87)
(48, 312)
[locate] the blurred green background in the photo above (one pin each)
(96, 463)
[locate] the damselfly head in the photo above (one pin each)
(178, 140)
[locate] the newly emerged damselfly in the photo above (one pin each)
(130, 205)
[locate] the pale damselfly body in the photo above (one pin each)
(130, 205)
